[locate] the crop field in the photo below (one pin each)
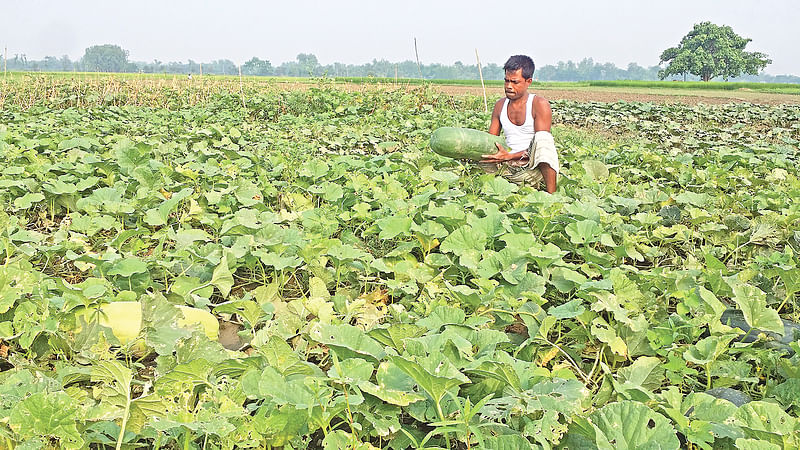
(372, 294)
(38, 84)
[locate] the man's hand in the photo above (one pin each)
(502, 155)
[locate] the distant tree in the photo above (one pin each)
(710, 51)
(308, 64)
(636, 72)
(65, 63)
(105, 58)
(221, 67)
(260, 67)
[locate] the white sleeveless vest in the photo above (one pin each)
(518, 137)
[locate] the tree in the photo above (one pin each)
(308, 64)
(65, 63)
(105, 58)
(710, 51)
(257, 67)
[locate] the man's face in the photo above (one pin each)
(516, 85)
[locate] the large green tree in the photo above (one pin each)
(105, 58)
(256, 66)
(710, 51)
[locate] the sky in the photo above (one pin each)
(358, 31)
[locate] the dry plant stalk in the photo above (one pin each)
(241, 87)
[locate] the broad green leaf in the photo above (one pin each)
(279, 426)
(499, 188)
(791, 280)
(756, 444)
(506, 442)
(628, 425)
(187, 238)
(281, 390)
(767, 421)
(353, 370)
(394, 386)
(707, 349)
(565, 279)
(275, 260)
(222, 277)
(314, 169)
(753, 303)
(788, 392)
(247, 193)
(130, 156)
(626, 290)
(127, 267)
(465, 243)
(498, 371)
(283, 358)
(16, 281)
(346, 252)
(395, 334)
(76, 142)
(394, 226)
(347, 341)
(433, 374)
(645, 375)
(160, 323)
(47, 415)
(595, 169)
(107, 199)
(692, 198)
(27, 200)
(603, 332)
(184, 377)
(332, 191)
(569, 310)
(449, 213)
(160, 215)
(546, 255)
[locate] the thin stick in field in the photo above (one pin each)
(416, 53)
(480, 72)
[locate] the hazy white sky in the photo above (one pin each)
(617, 31)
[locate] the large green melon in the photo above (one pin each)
(464, 143)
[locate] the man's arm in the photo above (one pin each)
(494, 128)
(542, 121)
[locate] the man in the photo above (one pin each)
(525, 119)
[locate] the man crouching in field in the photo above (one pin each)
(525, 119)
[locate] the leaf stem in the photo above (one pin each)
(124, 418)
(441, 417)
(783, 303)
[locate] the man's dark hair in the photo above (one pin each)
(523, 62)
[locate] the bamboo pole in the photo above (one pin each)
(5, 62)
(480, 72)
(417, 55)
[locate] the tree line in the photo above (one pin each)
(706, 52)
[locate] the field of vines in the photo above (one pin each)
(372, 294)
